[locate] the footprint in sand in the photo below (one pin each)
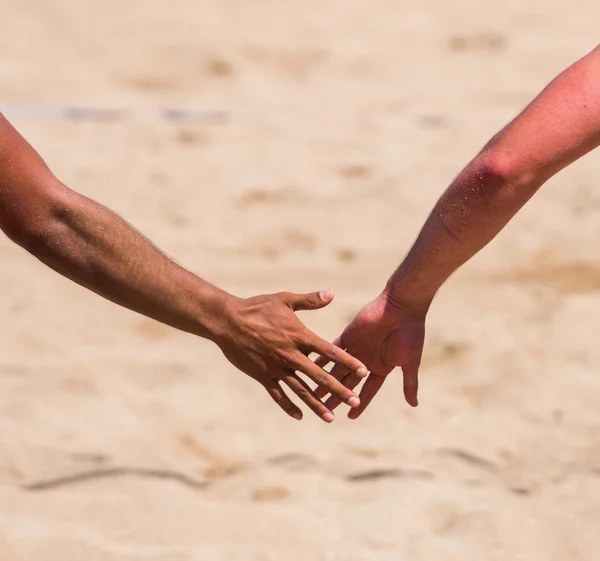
(293, 462)
(271, 493)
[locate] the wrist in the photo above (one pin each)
(402, 296)
(214, 315)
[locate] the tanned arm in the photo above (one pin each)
(87, 243)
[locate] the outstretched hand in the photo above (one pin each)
(383, 335)
(263, 337)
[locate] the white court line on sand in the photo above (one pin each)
(74, 112)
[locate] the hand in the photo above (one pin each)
(383, 335)
(263, 338)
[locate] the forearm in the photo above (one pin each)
(558, 127)
(92, 246)
(472, 211)
(89, 244)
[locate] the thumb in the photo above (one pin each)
(310, 301)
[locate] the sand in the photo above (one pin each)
(341, 123)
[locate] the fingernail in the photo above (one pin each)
(328, 417)
(325, 294)
(362, 371)
(354, 401)
(297, 416)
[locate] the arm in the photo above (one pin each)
(89, 244)
(559, 126)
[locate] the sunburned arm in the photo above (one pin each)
(87, 243)
(559, 126)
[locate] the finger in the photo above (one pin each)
(279, 396)
(337, 355)
(372, 386)
(321, 392)
(411, 384)
(325, 380)
(310, 301)
(300, 388)
(350, 381)
(339, 373)
(323, 361)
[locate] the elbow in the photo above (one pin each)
(35, 225)
(40, 237)
(506, 175)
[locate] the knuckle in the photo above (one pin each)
(318, 407)
(287, 359)
(303, 394)
(301, 339)
(271, 387)
(321, 378)
(282, 297)
(332, 384)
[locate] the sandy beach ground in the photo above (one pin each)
(341, 124)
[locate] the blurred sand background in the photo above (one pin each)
(123, 440)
